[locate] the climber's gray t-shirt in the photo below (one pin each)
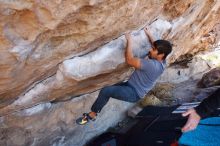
(143, 79)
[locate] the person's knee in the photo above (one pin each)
(105, 90)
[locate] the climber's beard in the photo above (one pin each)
(149, 55)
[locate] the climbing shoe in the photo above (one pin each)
(86, 118)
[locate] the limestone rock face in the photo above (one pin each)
(212, 78)
(54, 124)
(56, 50)
(37, 37)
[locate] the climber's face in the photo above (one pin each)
(153, 53)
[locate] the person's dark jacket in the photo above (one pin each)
(208, 105)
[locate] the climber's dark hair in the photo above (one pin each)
(163, 47)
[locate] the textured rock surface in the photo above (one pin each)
(37, 36)
(39, 39)
(59, 50)
(54, 124)
(212, 78)
(76, 76)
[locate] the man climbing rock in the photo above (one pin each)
(205, 108)
(142, 80)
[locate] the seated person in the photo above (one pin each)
(205, 108)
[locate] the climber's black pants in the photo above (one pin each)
(121, 91)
